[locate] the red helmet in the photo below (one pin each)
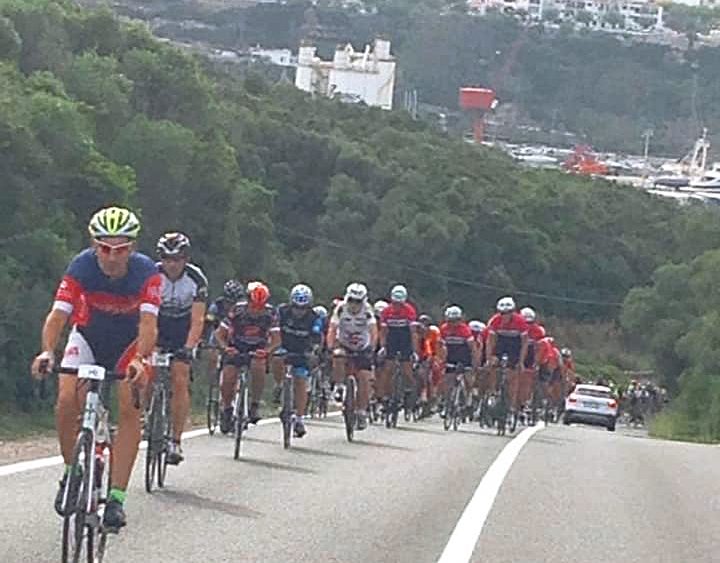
(257, 294)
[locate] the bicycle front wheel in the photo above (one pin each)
(240, 417)
(213, 409)
(349, 409)
(77, 536)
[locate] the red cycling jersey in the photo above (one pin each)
(536, 332)
(513, 327)
(547, 355)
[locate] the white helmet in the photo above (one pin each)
(505, 305)
(528, 314)
(380, 306)
(399, 294)
(320, 311)
(356, 292)
(477, 326)
(453, 313)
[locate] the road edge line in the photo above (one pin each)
(40, 463)
(465, 535)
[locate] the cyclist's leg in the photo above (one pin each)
(258, 370)
(229, 382)
(407, 371)
(180, 404)
(300, 380)
(277, 367)
(67, 413)
(128, 437)
(363, 367)
(71, 395)
(339, 362)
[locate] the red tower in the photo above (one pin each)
(478, 101)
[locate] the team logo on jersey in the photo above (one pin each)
(72, 351)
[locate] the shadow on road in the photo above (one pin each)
(419, 429)
(322, 453)
(275, 465)
(382, 445)
(197, 501)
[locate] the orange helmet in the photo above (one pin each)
(257, 294)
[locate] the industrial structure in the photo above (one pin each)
(367, 76)
(478, 101)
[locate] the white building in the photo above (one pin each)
(279, 57)
(635, 14)
(367, 76)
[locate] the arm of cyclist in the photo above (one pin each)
(197, 324)
(52, 329)
(490, 357)
(147, 338)
(523, 349)
(374, 337)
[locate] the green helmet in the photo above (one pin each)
(114, 222)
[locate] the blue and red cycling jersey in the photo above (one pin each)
(107, 311)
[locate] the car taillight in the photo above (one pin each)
(572, 399)
(612, 404)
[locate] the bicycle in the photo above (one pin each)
(502, 407)
(158, 422)
(90, 470)
(241, 404)
(455, 396)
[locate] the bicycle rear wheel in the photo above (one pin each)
(75, 529)
(286, 416)
(449, 410)
(349, 409)
(458, 406)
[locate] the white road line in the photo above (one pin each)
(40, 463)
(461, 544)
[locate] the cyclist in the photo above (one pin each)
(431, 368)
(568, 363)
(508, 334)
(398, 338)
(180, 325)
(460, 348)
(378, 307)
(480, 386)
(250, 326)
(353, 329)
(233, 291)
(300, 332)
(111, 295)
(550, 370)
(536, 332)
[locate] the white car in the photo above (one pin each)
(591, 404)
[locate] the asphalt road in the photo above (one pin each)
(573, 494)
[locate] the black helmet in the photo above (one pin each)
(173, 244)
(233, 290)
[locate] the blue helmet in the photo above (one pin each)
(301, 295)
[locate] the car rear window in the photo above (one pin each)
(594, 393)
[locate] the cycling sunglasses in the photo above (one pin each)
(107, 249)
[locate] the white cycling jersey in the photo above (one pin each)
(353, 330)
